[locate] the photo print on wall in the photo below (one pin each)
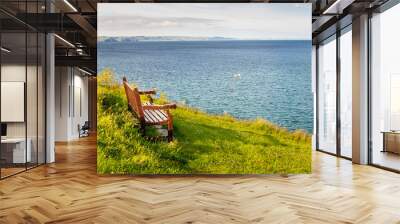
(204, 88)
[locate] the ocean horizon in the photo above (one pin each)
(248, 79)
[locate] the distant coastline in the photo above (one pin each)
(107, 39)
(160, 38)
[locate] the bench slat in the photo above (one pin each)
(161, 114)
(148, 117)
(158, 114)
(155, 116)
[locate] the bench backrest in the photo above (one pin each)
(134, 100)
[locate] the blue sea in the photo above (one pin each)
(247, 79)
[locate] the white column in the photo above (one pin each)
(360, 90)
(50, 98)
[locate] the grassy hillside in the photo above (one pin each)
(203, 143)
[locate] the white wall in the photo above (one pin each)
(15, 72)
(33, 126)
(81, 94)
(71, 87)
(62, 82)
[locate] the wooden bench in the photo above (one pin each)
(149, 113)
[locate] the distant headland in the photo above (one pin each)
(160, 38)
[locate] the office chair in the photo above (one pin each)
(84, 130)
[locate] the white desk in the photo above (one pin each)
(18, 151)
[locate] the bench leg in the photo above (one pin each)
(142, 128)
(170, 127)
(170, 135)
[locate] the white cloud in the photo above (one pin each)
(238, 20)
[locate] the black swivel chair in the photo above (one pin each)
(84, 130)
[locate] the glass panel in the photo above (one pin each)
(346, 94)
(31, 98)
(13, 86)
(41, 98)
(22, 90)
(314, 88)
(31, 88)
(327, 96)
(385, 95)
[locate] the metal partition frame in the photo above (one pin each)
(389, 4)
(339, 31)
(44, 75)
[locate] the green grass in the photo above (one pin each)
(203, 144)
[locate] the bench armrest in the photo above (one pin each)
(159, 107)
(147, 92)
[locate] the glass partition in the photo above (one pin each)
(327, 95)
(22, 94)
(346, 93)
(13, 92)
(385, 89)
(41, 97)
(31, 97)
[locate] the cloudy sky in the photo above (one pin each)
(240, 20)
